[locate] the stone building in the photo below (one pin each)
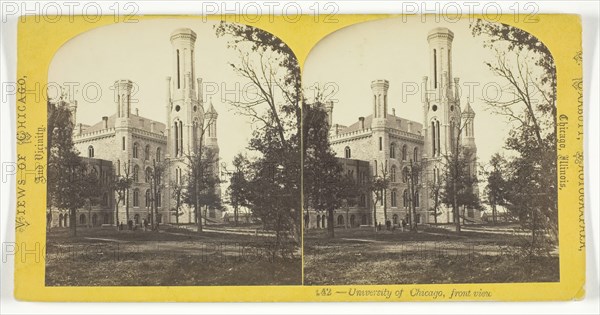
(135, 145)
(389, 146)
(97, 210)
(354, 213)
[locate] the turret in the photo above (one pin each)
(468, 118)
(440, 51)
(123, 89)
(329, 111)
(73, 110)
(380, 103)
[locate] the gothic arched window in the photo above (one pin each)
(452, 135)
(147, 152)
(347, 152)
(176, 132)
(405, 200)
(363, 200)
(340, 220)
(433, 151)
(416, 154)
(91, 151)
(135, 150)
(148, 198)
(405, 174)
(158, 154)
(136, 173)
(393, 150)
(148, 174)
(394, 198)
(393, 173)
(417, 198)
(136, 197)
(404, 152)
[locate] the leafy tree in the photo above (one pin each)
(377, 187)
(201, 186)
(177, 195)
(459, 187)
(527, 66)
(270, 66)
(70, 185)
(122, 184)
(238, 189)
(435, 191)
(413, 178)
(156, 186)
(325, 186)
(496, 188)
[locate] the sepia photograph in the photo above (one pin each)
(430, 155)
(174, 157)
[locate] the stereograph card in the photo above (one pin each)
(365, 158)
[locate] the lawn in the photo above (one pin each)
(434, 255)
(170, 257)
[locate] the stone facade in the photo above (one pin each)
(391, 145)
(350, 215)
(133, 144)
(98, 210)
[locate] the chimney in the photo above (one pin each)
(152, 126)
(105, 121)
(362, 123)
(137, 111)
(393, 111)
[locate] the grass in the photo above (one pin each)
(171, 257)
(432, 256)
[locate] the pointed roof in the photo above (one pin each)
(468, 109)
(211, 108)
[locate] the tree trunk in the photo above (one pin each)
(235, 215)
(117, 214)
(385, 219)
(347, 218)
(73, 221)
(455, 198)
(127, 206)
(375, 214)
(330, 227)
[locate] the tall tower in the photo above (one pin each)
(210, 119)
(210, 140)
(123, 138)
(184, 110)
(441, 106)
(468, 136)
(380, 138)
(441, 102)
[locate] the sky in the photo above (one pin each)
(141, 52)
(344, 63)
